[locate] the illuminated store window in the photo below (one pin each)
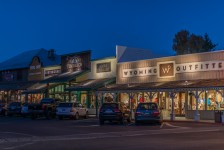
(92, 101)
(124, 100)
(201, 101)
(214, 100)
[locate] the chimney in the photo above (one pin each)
(51, 54)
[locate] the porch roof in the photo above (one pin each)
(91, 84)
(64, 77)
(18, 85)
(172, 86)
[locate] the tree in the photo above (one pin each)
(186, 43)
(208, 45)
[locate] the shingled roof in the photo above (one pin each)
(24, 59)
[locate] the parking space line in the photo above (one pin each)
(19, 146)
(17, 133)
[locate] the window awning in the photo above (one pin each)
(64, 77)
(22, 85)
(212, 84)
(91, 84)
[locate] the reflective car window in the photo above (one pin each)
(110, 105)
(144, 106)
(65, 105)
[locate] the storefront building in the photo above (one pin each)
(74, 69)
(23, 71)
(190, 86)
(103, 72)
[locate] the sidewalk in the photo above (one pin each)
(183, 119)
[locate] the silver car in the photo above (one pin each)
(71, 110)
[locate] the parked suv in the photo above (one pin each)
(14, 108)
(148, 112)
(2, 109)
(71, 110)
(46, 108)
(112, 112)
(25, 110)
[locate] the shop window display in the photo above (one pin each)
(93, 101)
(84, 99)
(179, 104)
(108, 98)
(201, 101)
(214, 100)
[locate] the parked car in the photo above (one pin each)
(26, 109)
(148, 112)
(71, 110)
(14, 108)
(2, 109)
(112, 112)
(46, 108)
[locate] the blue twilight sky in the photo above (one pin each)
(75, 25)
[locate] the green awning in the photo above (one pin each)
(91, 84)
(64, 77)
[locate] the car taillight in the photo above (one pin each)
(43, 106)
(156, 113)
(72, 110)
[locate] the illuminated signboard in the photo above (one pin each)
(169, 69)
(103, 67)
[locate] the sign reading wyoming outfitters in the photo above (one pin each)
(170, 69)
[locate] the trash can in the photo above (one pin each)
(218, 115)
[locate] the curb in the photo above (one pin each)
(197, 122)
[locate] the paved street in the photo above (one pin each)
(25, 134)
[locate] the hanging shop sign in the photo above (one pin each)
(170, 69)
(103, 67)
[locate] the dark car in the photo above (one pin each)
(2, 109)
(148, 112)
(110, 112)
(14, 108)
(26, 109)
(46, 108)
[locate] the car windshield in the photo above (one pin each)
(145, 106)
(47, 101)
(65, 105)
(14, 104)
(110, 105)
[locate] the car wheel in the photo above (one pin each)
(87, 115)
(33, 117)
(48, 115)
(121, 121)
(76, 116)
(6, 113)
(101, 121)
